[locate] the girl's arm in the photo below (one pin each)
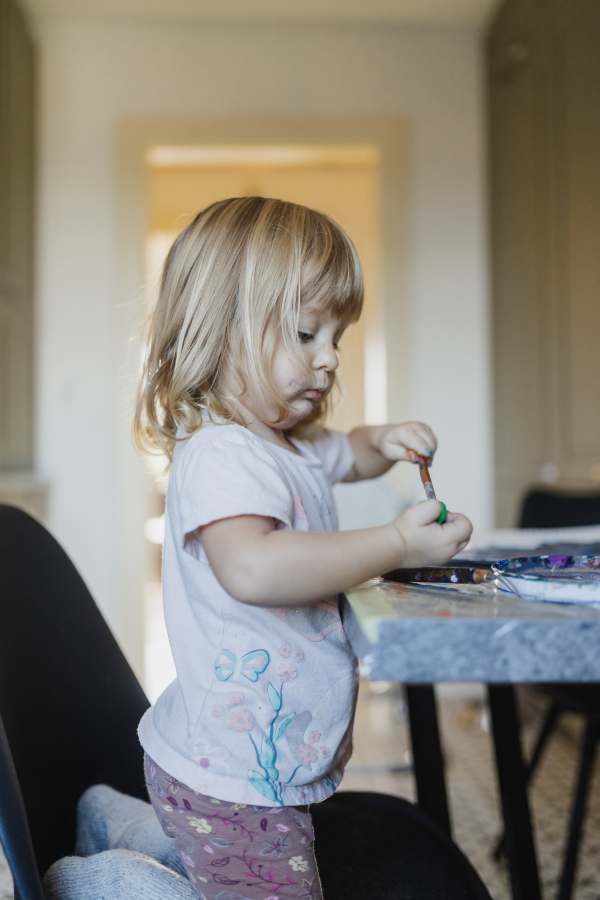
(377, 447)
(261, 565)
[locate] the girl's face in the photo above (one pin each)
(318, 335)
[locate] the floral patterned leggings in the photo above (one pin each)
(232, 851)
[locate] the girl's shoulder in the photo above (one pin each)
(223, 470)
(218, 445)
(210, 430)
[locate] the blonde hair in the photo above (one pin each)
(231, 289)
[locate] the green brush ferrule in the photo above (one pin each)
(443, 514)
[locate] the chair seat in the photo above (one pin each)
(374, 845)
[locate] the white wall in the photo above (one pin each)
(94, 74)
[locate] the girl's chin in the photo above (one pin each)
(303, 409)
(298, 413)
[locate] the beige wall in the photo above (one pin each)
(93, 76)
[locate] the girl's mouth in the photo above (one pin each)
(314, 394)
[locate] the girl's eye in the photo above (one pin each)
(304, 337)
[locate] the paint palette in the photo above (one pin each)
(554, 579)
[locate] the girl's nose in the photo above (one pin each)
(326, 358)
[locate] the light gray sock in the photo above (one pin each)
(109, 820)
(115, 875)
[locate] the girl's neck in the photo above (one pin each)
(265, 430)
(273, 435)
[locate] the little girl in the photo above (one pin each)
(241, 360)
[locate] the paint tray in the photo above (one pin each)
(554, 579)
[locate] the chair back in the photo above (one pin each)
(69, 700)
(14, 829)
(559, 509)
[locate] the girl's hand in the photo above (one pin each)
(396, 441)
(427, 543)
(377, 447)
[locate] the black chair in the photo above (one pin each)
(70, 705)
(374, 845)
(559, 509)
(554, 509)
(69, 702)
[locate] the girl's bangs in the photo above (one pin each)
(332, 273)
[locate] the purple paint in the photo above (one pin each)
(559, 562)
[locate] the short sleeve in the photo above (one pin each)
(230, 475)
(334, 451)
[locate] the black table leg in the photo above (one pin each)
(512, 780)
(428, 760)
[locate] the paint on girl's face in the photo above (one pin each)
(318, 360)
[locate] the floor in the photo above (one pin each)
(381, 762)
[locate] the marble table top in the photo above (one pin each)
(416, 634)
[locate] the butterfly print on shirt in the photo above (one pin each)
(250, 665)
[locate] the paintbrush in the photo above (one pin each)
(426, 478)
(423, 462)
(441, 575)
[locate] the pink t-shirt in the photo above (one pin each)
(262, 707)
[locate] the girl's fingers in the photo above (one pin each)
(409, 441)
(413, 449)
(459, 523)
(400, 451)
(420, 439)
(426, 512)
